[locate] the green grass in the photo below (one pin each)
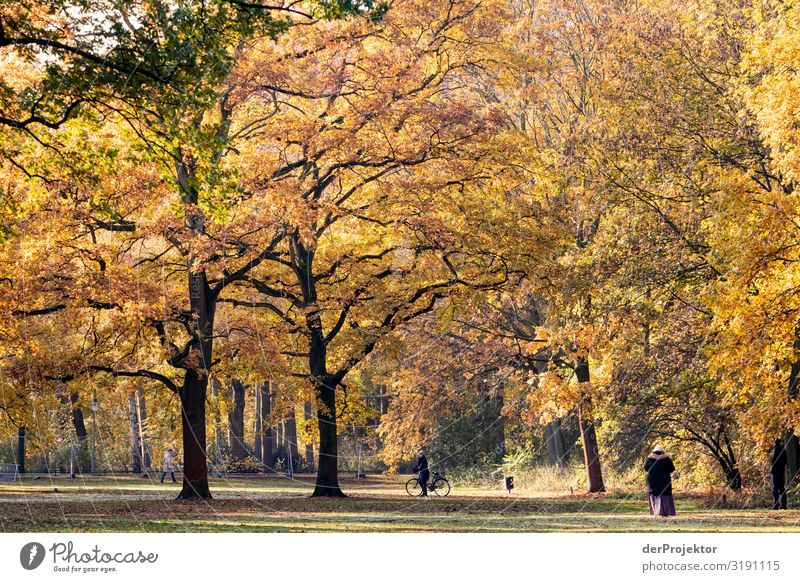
(378, 504)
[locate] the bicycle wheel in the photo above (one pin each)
(413, 488)
(441, 487)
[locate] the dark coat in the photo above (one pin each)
(658, 470)
(778, 460)
(422, 467)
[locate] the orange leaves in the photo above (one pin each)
(552, 396)
(772, 89)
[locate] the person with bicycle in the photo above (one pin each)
(424, 473)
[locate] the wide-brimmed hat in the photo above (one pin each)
(659, 450)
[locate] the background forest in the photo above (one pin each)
(324, 235)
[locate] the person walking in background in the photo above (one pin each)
(777, 470)
(659, 468)
(424, 473)
(168, 466)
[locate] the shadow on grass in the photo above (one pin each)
(375, 505)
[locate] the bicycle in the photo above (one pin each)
(438, 485)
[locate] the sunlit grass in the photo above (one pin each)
(378, 504)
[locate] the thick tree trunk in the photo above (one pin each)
(307, 416)
(77, 418)
(21, 449)
(236, 420)
(146, 461)
(80, 431)
(328, 462)
(325, 387)
(133, 423)
(193, 420)
(324, 384)
(258, 435)
(591, 451)
(202, 306)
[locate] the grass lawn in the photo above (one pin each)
(377, 504)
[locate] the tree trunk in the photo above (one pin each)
(791, 447)
(202, 307)
(554, 441)
(790, 438)
(77, 418)
(80, 431)
(328, 462)
(325, 387)
(215, 384)
(146, 461)
(280, 439)
(236, 420)
(547, 433)
(591, 451)
(384, 401)
(21, 449)
(307, 416)
(290, 424)
(499, 432)
(323, 383)
(733, 476)
(74, 416)
(268, 443)
(258, 436)
(133, 423)
(193, 422)
(359, 432)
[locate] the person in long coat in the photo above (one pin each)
(659, 468)
(777, 471)
(424, 473)
(168, 466)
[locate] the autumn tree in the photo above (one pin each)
(386, 175)
(178, 144)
